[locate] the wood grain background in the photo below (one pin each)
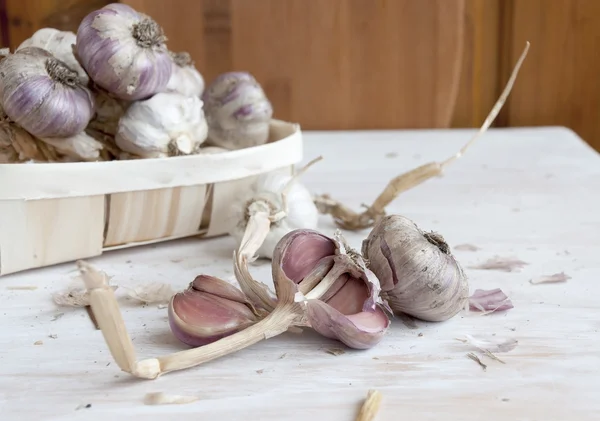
(369, 64)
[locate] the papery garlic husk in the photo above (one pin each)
(418, 273)
(262, 216)
(185, 78)
(237, 111)
(210, 309)
(60, 45)
(43, 95)
(109, 111)
(81, 147)
(124, 52)
(340, 295)
(168, 124)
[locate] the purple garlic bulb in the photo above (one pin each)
(124, 52)
(340, 294)
(418, 273)
(237, 111)
(43, 95)
(210, 309)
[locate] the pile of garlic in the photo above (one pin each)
(114, 90)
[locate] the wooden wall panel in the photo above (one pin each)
(559, 83)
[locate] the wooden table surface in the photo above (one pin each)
(533, 194)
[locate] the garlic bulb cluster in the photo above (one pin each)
(124, 52)
(60, 45)
(277, 200)
(339, 294)
(168, 124)
(43, 95)
(209, 310)
(418, 274)
(185, 79)
(237, 111)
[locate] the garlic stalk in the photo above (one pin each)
(43, 95)
(346, 218)
(419, 275)
(124, 52)
(237, 111)
(168, 124)
(209, 310)
(60, 45)
(185, 78)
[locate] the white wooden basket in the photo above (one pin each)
(61, 212)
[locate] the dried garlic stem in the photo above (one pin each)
(370, 408)
(347, 219)
(105, 307)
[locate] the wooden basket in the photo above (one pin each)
(56, 213)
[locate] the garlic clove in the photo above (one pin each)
(237, 110)
(418, 273)
(209, 310)
(341, 295)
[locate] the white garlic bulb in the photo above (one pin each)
(60, 45)
(281, 199)
(185, 79)
(168, 124)
(43, 95)
(419, 276)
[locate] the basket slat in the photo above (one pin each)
(39, 233)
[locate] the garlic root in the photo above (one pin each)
(348, 219)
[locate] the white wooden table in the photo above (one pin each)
(533, 194)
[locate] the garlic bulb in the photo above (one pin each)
(109, 111)
(208, 310)
(167, 124)
(273, 206)
(237, 111)
(185, 79)
(81, 147)
(124, 52)
(43, 95)
(418, 273)
(340, 295)
(60, 45)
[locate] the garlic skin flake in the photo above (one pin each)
(168, 124)
(60, 45)
(237, 111)
(43, 95)
(282, 202)
(418, 273)
(185, 79)
(124, 52)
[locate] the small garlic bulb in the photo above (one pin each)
(60, 45)
(265, 198)
(43, 95)
(418, 273)
(124, 52)
(168, 124)
(237, 111)
(185, 79)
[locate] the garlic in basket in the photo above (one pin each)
(124, 52)
(168, 124)
(60, 45)
(237, 111)
(185, 79)
(43, 95)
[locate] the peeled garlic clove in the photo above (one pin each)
(418, 273)
(168, 124)
(185, 79)
(266, 195)
(341, 295)
(209, 310)
(60, 45)
(237, 111)
(43, 95)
